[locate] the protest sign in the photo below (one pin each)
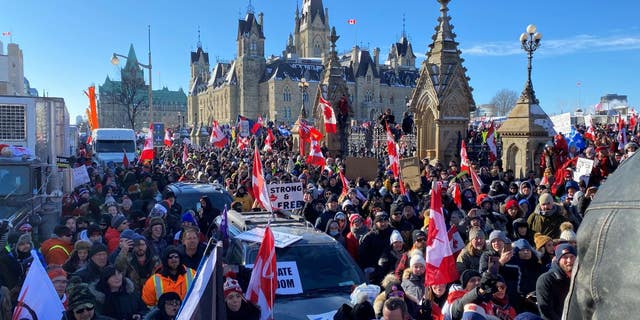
(286, 196)
(80, 176)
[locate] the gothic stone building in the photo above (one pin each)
(112, 99)
(253, 85)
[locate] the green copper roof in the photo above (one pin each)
(132, 60)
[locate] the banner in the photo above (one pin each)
(583, 170)
(286, 196)
(410, 172)
(562, 123)
(80, 176)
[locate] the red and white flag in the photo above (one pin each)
(329, 116)
(455, 241)
(38, 298)
(441, 264)
(125, 159)
(259, 186)
(622, 132)
(185, 153)
(491, 142)
(167, 138)
(315, 157)
(268, 142)
(257, 125)
(243, 143)
(6, 34)
(591, 131)
(457, 195)
(351, 21)
(392, 150)
(218, 139)
(345, 184)
(262, 287)
(464, 159)
(147, 151)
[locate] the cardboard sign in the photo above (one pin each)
(288, 278)
(361, 167)
(80, 176)
(410, 172)
(562, 123)
(286, 196)
(583, 170)
(280, 239)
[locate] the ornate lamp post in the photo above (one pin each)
(115, 61)
(530, 41)
(304, 86)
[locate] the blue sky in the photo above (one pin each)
(67, 44)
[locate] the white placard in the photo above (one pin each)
(562, 123)
(583, 170)
(80, 176)
(286, 196)
(244, 128)
(281, 239)
(288, 278)
(323, 316)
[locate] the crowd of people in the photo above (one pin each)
(124, 249)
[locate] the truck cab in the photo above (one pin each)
(110, 144)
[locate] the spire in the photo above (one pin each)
(444, 49)
(404, 33)
(199, 43)
(297, 10)
(132, 60)
(250, 9)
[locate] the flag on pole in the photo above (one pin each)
(218, 139)
(167, 138)
(6, 34)
(260, 192)
(392, 150)
(264, 279)
(622, 133)
(206, 292)
(243, 143)
(268, 142)
(147, 151)
(329, 116)
(455, 241)
(591, 131)
(351, 21)
(125, 160)
(491, 142)
(441, 264)
(185, 153)
(257, 125)
(464, 159)
(315, 156)
(224, 224)
(38, 298)
(457, 195)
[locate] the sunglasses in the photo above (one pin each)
(396, 213)
(421, 240)
(83, 310)
(173, 302)
(174, 256)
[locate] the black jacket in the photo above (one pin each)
(551, 289)
(372, 246)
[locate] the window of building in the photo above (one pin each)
(286, 95)
(317, 51)
(305, 96)
(369, 78)
(368, 96)
(253, 47)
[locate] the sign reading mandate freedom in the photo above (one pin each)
(286, 196)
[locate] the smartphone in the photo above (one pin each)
(198, 206)
(494, 265)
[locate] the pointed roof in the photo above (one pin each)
(195, 56)
(314, 8)
(246, 26)
(403, 47)
(444, 49)
(132, 60)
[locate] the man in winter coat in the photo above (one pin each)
(98, 260)
(553, 286)
(56, 250)
(174, 276)
(547, 217)
(375, 242)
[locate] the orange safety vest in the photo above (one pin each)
(158, 285)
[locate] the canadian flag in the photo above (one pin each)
(185, 154)
(329, 116)
(218, 139)
(269, 141)
(315, 156)
(392, 149)
(457, 195)
(256, 126)
(264, 276)
(464, 159)
(455, 241)
(441, 264)
(491, 142)
(125, 160)
(243, 143)
(345, 184)
(351, 21)
(591, 131)
(622, 132)
(260, 192)
(147, 151)
(167, 138)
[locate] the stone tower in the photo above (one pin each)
(250, 63)
(311, 30)
(333, 88)
(200, 71)
(401, 54)
(442, 99)
(525, 133)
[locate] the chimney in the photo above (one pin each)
(376, 56)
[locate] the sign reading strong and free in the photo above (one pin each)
(286, 196)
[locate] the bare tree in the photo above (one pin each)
(504, 101)
(130, 95)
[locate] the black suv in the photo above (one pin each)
(188, 195)
(327, 271)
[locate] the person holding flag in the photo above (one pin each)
(259, 186)
(261, 290)
(147, 152)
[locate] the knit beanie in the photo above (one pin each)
(79, 295)
(188, 217)
(56, 272)
(568, 235)
(467, 275)
(417, 234)
(540, 240)
(118, 220)
(353, 217)
(563, 249)
(167, 252)
(97, 248)
(416, 259)
(473, 312)
(156, 221)
(521, 244)
(476, 233)
(545, 198)
(395, 236)
(25, 238)
(511, 204)
(127, 234)
(231, 285)
(497, 235)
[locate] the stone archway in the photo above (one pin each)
(512, 160)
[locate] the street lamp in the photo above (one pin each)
(530, 41)
(304, 86)
(116, 61)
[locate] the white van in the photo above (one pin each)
(110, 144)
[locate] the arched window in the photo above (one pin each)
(368, 97)
(305, 96)
(253, 47)
(286, 94)
(317, 51)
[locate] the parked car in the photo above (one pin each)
(188, 195)
(327, 271)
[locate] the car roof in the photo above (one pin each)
(190, 187)
(310, 236)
